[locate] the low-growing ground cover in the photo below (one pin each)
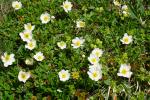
(76, 49)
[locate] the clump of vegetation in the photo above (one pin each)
(82, 49)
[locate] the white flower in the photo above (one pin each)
(93, 59)
(77, 42)
(124, 8)
(80, 24)
(96, 66)
(29, 61)
(95, 74)
(29, 27)
(126, 39)
(16, 5)
(31, 44)
(26, 35)
(61, 45)
(45, 18)
(67, 6)
(39, 56)
(125, 71)
(97, 52)
(64, 75)
(8, 59)
(59, 90)
(23, 76)
(116, 3)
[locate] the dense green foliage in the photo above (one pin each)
(104, 28)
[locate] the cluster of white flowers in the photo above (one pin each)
(124, 70)
(124, 8)
(94, 56)
(8, 60)
(95, 72)
(76, 43)
(27, 36)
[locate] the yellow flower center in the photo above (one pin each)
(124, 71)
(126, 39)
(29, 27)
(93, 60)
(46, 18)
(40, 57)
(7, 57)
(26, 35)
(95, 74)
(31, 45)
(66, 6)
(82, 24)
(16, 6)
(78, 43)
(64, 75)
(62, 44)
(97, 53)
(23, 76)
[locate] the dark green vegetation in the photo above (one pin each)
(104, 29)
